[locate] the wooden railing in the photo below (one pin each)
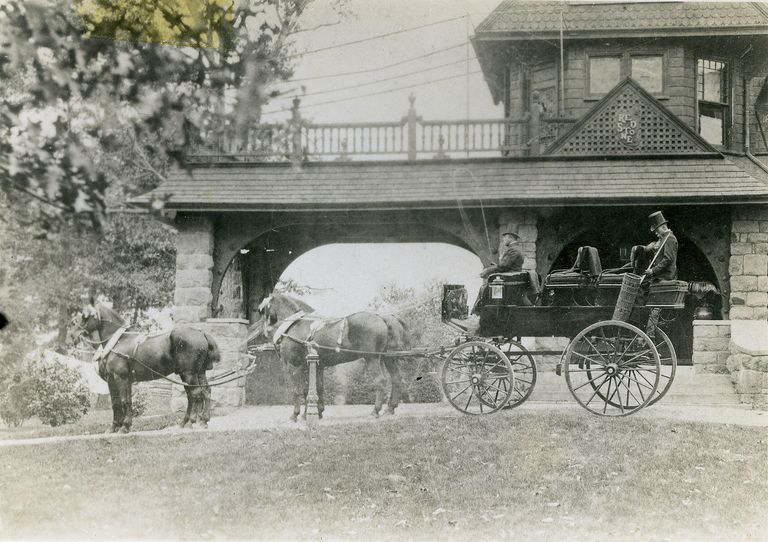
(411, 138)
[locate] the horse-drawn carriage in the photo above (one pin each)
(615, 363)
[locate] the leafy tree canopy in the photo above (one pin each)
(79, 78)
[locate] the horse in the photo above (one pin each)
(362, 335)
(134, 357)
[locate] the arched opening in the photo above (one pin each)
(614, 247)
(338, 279)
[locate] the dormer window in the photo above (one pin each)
(712, 92)
(606, 70)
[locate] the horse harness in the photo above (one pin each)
(317, 323)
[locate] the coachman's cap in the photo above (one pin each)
(656, 219)
(509, 230)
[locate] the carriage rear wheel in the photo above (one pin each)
(612, 368)
(525, 371)
(477, 378)
(668, 360)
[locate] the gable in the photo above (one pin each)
(629, 121)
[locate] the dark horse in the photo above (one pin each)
(185, 351)
(362, 335)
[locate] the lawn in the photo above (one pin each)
(514, 476)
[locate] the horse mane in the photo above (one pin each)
(286, 305)
(111, 315)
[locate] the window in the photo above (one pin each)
(648, 71)
(605, 72)
(712, 93)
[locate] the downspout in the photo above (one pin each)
(747, 152)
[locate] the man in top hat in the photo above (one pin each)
(665, 266)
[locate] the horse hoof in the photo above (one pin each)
(294, 418)
(123, 430)
(203, 425)
(390, 411)
(375, 414)
(111, 430)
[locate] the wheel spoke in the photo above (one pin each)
(629, 392)
(605, 404)
(595, 349)
(589, 381)
(462, 391)
(636, 381)
(597, 389)
(589, 359)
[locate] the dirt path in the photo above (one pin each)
(276, 417)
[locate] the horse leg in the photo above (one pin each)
(380, 381)
(304, 388)
(124, 387)
(196, 395)
(117, 409)
(190, 401)
(205, 393)
(393, 368)
(320, 392)
(296, 381)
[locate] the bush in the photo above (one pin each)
(59, 395)
(16, 401)
(360, 389)
(138, 402)
(425, 389)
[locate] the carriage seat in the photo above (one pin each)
(587, 264)
(511, 288)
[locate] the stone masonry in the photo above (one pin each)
(194, 269)
(524, 222)
(749, 264)
(711, 346)
(192, 306)
(748, 362)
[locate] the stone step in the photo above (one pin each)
(688, 388)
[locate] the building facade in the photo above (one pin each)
(612, 112)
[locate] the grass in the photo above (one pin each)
(95, 421)
(514, 476)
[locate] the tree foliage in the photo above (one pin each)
(80, 78)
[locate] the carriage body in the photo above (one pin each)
(611, 365)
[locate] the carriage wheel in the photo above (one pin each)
(525, 371)
(477, 378)
(612, 368)
(668, 360)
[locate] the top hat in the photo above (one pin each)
(656, 219)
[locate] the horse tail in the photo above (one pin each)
(214, 356)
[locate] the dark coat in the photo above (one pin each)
(511, 260)
(665, 266)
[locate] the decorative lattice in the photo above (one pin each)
(629, 122)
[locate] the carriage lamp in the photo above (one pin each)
(497, 288)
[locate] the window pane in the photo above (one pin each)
(711, 123)
(712, 81)
(604, 73)
(647, 70)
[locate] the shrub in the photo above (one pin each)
(16, 401)
(138, 402)
(425, 389)
(59, 395)
(360, 389)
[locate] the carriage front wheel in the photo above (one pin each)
(477, 378)
(612, 368)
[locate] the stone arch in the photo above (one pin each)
(273, 242)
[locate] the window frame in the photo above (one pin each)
(625, 70)
(725, 107)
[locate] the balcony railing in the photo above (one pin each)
(410, 138)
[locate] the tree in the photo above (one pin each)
(84, 80)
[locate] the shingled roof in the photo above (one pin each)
(517, 19)
(435, 184)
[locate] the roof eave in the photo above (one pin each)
(536, 35)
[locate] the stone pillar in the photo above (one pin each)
(524, 222)
(230, 335)
(748, 362)
(194, 269)
(711, 345)
(749, 264)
